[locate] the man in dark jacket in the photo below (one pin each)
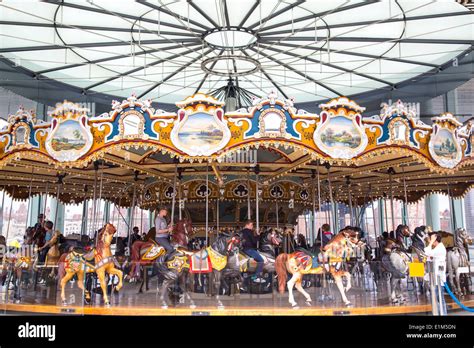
(39, 232)
(250, 246)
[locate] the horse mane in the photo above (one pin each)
(458, 239)
(336, 238)
(100, 241)
(151, 235)
(398, 230)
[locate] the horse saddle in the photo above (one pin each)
(87, 255)
(200, 262)
(153, 252)
(248, 264)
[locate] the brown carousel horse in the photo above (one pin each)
(14, 263)
(52, 257)
(334, 254)
(99, 260)
(147, 251)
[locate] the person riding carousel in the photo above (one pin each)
(44, 248)
(163, 231)
(38, 232)
(250, 246)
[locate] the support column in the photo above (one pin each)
(59, 208)
(85, 206)
(35, 210)
(381, 216)
(404, 214)
(129, 217)
(2, 201)
(151, 220)
(335, 217)
(450, 101)
(432, 212)
(42, 112)
(106, 211)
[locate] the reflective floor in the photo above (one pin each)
(366, 296)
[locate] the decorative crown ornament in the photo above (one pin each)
(68, 109)
(398, 108)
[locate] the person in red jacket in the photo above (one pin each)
(326, 234)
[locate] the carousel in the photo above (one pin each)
(214, 184)
(214, 171)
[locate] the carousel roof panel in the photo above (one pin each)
(158, 49)
(135, 148)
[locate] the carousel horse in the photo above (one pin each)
(221, 258)
(15, 264)
(170, 266)
(53, 255)
(458, 257)
(98, 260)
(396, 261)
(213, 258)
(145, 252)
(269, 240)
(334, 254)
(419, 240)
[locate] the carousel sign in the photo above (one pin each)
(200, 129)
(340, 132)
(444, 145)
(69, 137)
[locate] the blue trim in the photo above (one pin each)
(386, 131)
(147, 127)
(254, 128)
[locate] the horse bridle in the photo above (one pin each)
(231, 242)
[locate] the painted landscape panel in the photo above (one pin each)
(68, 136)
(341, 132)
(200, 130)
(444, 145)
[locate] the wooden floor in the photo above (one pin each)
(366, 300)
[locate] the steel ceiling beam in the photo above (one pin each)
(249, 13)
(289, 67)
(192, 61)
(369, 39)
(125, 15)
(90, 45)
(207, 74)
(276, 14)
(366, 23)
(93, 28)
(310, 59)
(132, 71)
(171, 13)
(269, 78)
(357, 54)
(202, 13)
(320, 14)
(102, 60)
(226, 15)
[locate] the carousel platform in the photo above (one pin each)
(129, 303)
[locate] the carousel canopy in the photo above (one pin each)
(167, 50)
(136, 154)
